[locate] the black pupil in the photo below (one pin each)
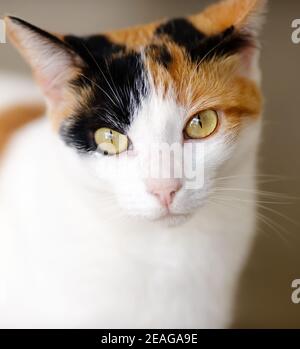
(199, 121)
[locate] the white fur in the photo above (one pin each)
(76, 250)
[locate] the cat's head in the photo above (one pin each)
(157, 110)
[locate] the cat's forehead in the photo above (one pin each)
(167, 53)
(181, 31)
(160, 41)
(172, 57)
(208, 60)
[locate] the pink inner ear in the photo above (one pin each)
(52, 63)
(52, 77)
(50, 88)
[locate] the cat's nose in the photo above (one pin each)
(163, 189)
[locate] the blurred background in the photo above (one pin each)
(264, 294)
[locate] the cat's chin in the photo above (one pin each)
(166, 220)
(172, 220)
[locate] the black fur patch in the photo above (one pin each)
(198, 45)
(118, 84)
(93, 47)
(182, 32)
(160, 53)
(224, 44)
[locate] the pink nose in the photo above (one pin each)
(163, 189)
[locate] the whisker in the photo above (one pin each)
(276, 227)
(255, 176)
(258, 192)
(101, 71)
(100, 88)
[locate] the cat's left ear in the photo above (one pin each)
(240, 14)
(244, 18)
(53, 62)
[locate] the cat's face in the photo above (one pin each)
(154, 111)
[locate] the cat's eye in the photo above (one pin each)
(202, 124)
(110, 142)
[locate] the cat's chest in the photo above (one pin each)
(74, 277)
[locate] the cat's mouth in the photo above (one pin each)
(172, 219)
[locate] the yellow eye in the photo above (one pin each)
(110, 142)
(202, 124)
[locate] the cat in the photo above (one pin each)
(88, 240)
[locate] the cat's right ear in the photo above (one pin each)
(53, 62)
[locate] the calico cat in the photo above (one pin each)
(87, 240)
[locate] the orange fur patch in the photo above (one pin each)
(214, 84)
(133, 37)
(14, 117)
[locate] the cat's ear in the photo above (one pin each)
(52, 61)
(245, 17)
